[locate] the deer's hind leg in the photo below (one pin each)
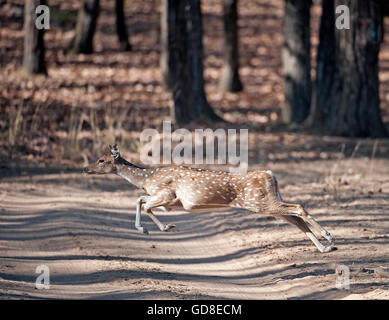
(298, 210)
(299, 223)
(296, 215)
(301, 217)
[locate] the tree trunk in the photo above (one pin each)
(356, 112)
(230, 80)
(180, 81)
(296, 59)
(185, 55)
(385, 8)
(323, 94)
(121, 27)
(163, 62)
(86, 27)
(34, 49)
(201, 109)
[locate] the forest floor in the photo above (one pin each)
(82, 227)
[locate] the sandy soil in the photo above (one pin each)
(82, 228)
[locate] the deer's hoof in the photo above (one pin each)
(167, 227)
(142, 230)
(330, 248)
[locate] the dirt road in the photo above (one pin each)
(82, 228)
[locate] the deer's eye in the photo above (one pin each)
(101, 160)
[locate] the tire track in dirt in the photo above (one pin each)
(85, 234)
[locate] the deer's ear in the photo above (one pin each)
(114, 148)
(114, 151)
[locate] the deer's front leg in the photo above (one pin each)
(159, 201)
(161, 226)
(139, 203)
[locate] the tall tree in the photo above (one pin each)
(185, 62)
(230, 80)
(323, 90)
(296, 59)
(34, 49)
(164, 56)
(121, 28)
(347, 96)
(86, 27)
(357, 109)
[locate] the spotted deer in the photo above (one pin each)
(194, 190)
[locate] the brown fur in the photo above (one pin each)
(199, 190)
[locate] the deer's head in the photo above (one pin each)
(106, 163)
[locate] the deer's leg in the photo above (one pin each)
(299, 223)
(296, 215)
(139, 203)
(298, 210)
(159, 201)
(161, 226)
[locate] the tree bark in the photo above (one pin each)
(296, 59)
(230, 80)
(356, 112)
(185, 62)
(121, 28)
(346, 100)
(34, 49)
(178, 60)
(163, 62)
(323, 94)
(86, 27)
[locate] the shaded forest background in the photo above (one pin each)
(88, 101)
(82, 227)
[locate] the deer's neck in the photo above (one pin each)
(132, 173)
